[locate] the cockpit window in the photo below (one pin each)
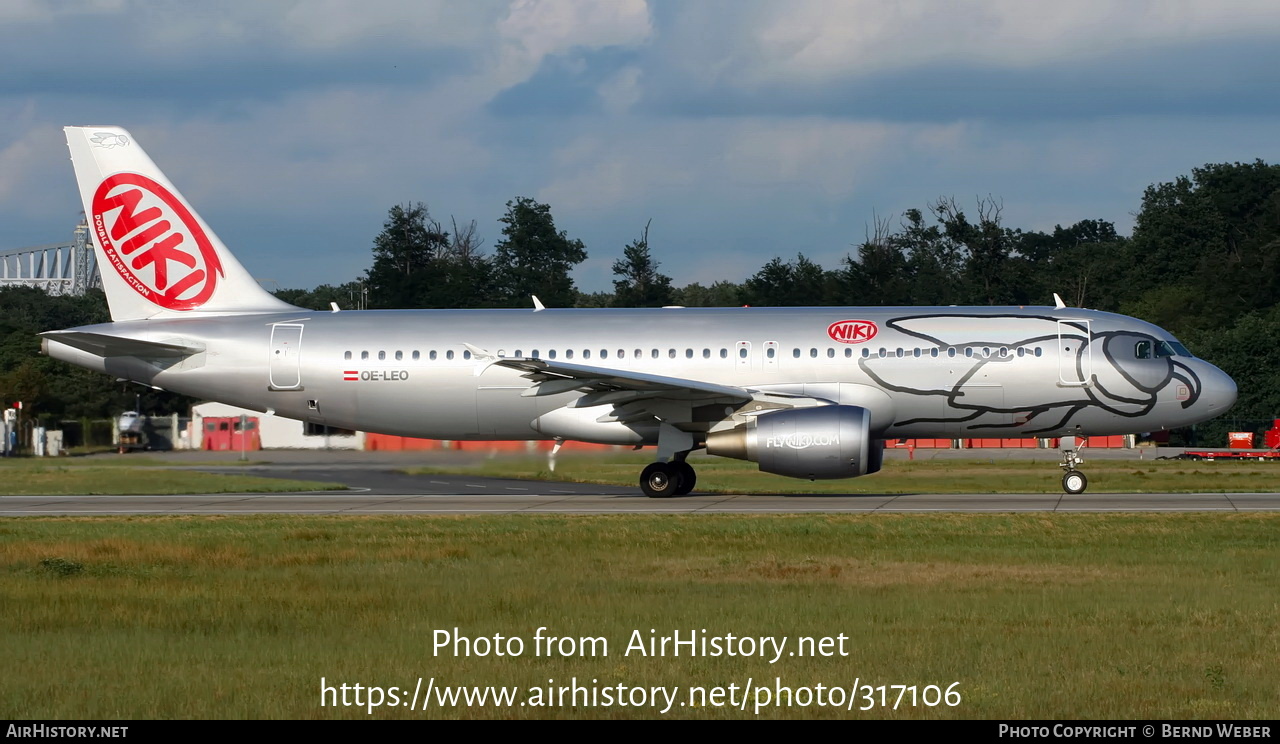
(1142, 350)
(1169, 349)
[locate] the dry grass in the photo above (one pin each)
(1056, 616)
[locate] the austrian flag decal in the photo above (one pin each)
(852, 331)
(154, 242)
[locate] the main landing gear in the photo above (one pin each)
(661, 480)
(670, 475)
(1073, 481)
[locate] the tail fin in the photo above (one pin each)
(157, 258)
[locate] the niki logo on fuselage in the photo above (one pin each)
(852, 331)
(154, 242)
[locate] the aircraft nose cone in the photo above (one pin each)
(1218, 390)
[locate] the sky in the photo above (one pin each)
(744, 129)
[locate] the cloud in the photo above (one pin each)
(745, 129)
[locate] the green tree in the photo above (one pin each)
(1218, 233)
(404, 255)
(640, 284)
(795, 283)
(935, 263)
(419, 264)
(534, 258)
(880, 275)
(992, 275)
(720, 294)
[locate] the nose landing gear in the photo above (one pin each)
(1073, 481)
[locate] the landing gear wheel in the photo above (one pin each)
(1073, 481)
(659, 481)
(688, 478)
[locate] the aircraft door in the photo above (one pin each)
(742, 356)
(285, 367)
(1075, 353)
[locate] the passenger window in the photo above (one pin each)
(416, 356)
(951, 352)
(795, 353)
(706, 353)
(399, 356)
(724, 353)
(638, 354)
(568, 353)
(831, 353)
(899, 352)
(1004, 352)
(968, 351)
(986, 352)
(813, 353)
(466, 355)
(769, 352)
(1021, 352)
(551, 354)
(347, 355)
(866, 352)
(883, 352)
(1037, 351)
(653, 353)
(535, 354)
(915, 352)
(364, 355)
(604, 353)
(933, 352)
(688, 353)
(848, 353)
(671, 353)
(742, 353)
(449, 355)
(586, 353)
(432, 355)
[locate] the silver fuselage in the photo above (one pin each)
(927, 372)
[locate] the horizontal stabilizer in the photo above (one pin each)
(103, 345)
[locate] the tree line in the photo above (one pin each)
(1203, 261)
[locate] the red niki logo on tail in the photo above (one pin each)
(154, 242)
(852, 331)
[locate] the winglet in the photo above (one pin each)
(1057, 302)
(537, 304)
(334, 307)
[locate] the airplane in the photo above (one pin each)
(802, 392)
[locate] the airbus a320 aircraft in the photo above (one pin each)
(803, 392)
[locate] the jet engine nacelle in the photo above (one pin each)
(823, 442)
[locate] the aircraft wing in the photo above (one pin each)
(103, 345)
(608, 385)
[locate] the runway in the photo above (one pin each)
(379, 491)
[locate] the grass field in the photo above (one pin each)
(50, 477)
(1036, 616)
(722, 475)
